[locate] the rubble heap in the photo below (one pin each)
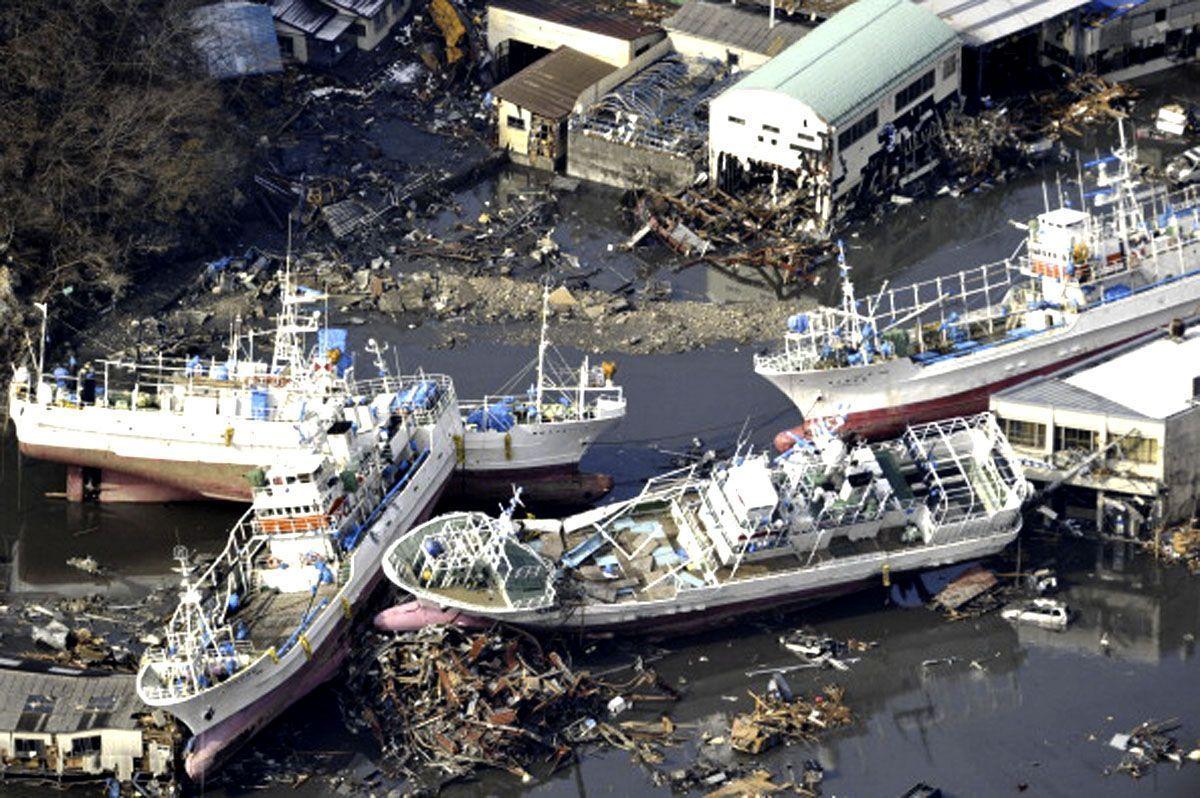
(445, 701)
(780, 717)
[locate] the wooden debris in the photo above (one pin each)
(775, 719)
(445, 701)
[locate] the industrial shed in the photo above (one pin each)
(533, 105)
(848, 109)
(67, 722)
(522, 31)
(737, 35)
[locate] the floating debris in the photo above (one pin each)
(86, 564)
(1043, 612)
(824, 651)
(776, 719)
(445, 701)
(1147, 744)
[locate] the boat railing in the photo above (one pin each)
(581, 402)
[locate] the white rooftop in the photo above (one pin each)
(1154, 380)
(1062, 217)
(296, 464)
(981, 22)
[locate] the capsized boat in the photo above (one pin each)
(1089, 278)
(268, 620)
(537, 437)
(760, 532)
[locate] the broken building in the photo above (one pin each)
(847, 112)
(1001, 41)
(1124, 39)
(61, 722)
(322, 32)
(740, 36)
(533, 105)
(1121, 429)
(522, 31)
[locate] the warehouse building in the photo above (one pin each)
(1122, 429)
(522, 31)
(533, 105)
(739, 36)
(846, 112)
(1124, 39)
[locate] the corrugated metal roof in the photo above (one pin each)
(306, 15)
(237, 39)
(362, 8)
(334, 28)
(50, 703)
(1051, 392)
(550, 86)
(847, 61)
(578, 15)
(734, 26)
(980, 22)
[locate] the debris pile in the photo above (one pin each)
(1084, 101)
(822, 651)
(709, 225)
(1147, 744)
(781, 717)
(444, 701)
(1179, 545)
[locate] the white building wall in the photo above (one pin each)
(504, 25)
(802, 132)
(695, 47)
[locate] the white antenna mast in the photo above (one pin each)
(541, 366)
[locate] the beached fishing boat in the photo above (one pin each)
(1124, 262)
(269, 619)
(536, 436)
(762, 531)
(164, 429)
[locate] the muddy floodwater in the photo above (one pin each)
(977, 707)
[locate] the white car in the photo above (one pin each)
(1046, 613)
(1186, 168)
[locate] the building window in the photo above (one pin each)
(27, 746)
(910, 93)
(805, 137)
(1137, 449)
(1025, 434)
(737, 121)
(859, 129)
(358, 29)
(950, 66)
(770, 128)
(85, 745)
(1066, 438)
(797, 147)
(515, 122)
(1160, 15)
(285, 45)
(732, 58)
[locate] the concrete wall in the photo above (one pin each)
(695, 47)
(1182, 465)
(513, 139)
(503, 25)
(623, 166)
(298, 40)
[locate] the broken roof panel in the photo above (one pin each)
(550, 86)
(334, 28)
(305, 15)
(734, 26)
(981, 22)
(578, 15)
(237, 39)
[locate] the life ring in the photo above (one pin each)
(272, 561)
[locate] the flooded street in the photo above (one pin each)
(977, 707)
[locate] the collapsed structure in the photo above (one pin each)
(822, 120)
(322, 32)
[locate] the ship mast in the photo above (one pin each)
(542, 344)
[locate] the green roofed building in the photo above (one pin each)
(846, 109)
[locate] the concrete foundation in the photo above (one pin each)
(620, 165)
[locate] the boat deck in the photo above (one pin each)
(272, 618)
